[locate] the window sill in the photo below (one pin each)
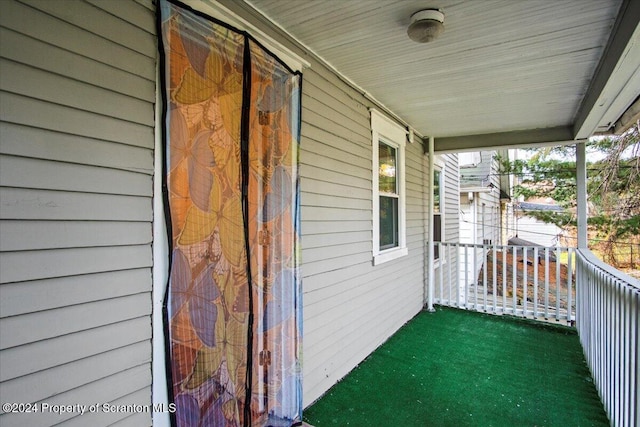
(389, 255)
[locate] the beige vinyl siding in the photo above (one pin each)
(350, 306)
(444, 273)
(76, 171)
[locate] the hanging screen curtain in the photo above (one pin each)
(233, 307)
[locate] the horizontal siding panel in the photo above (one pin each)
(314, 136)
(328, 344)
(310, 186)
(95, 21)
(134, 420)
(17, 298)
(123, 419)
(328, 279)
(340, 130)
(20, 330)
(123, 383)
(332, 214)
(64, 349)
(337, 250)
(337, 201)
(40, 55)
(333, 264)
(140, 419)
(313, 148)
(33, 265)
(328, 226)
(326, 111)
(348, 170)
(316, 88)
(335, 176)
(44, 144)
(27, 81)
(43, 385)
(135, 14)
(41, 114)
(41, 26)
(36, 235)
(361, 289)
(363, 318)
(311, 241)
(27, 173)
(59, 205)
(346, 346)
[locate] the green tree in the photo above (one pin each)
(613, 187)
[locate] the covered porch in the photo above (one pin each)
(455, 367)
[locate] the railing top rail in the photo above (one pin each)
(480, 245)
(589, 257)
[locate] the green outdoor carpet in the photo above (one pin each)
(460, 368)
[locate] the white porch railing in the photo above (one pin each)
(525, 281)
(608, 313)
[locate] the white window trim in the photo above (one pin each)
(394, 135)
(438, 165)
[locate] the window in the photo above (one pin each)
(437, 211)
(388, 195)
(389, 229)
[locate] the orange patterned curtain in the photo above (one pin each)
(233, 307)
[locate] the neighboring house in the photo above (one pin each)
(84, 262)
(532, 229)
(480, 196)
(481, 201)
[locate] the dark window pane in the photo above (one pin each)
(387, 168)
(388, 222)
(437, 234)
(436, 191)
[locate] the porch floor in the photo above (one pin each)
(457, 368)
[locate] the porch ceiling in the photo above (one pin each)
(504, 72)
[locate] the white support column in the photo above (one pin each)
(581, 195)
(430, 252)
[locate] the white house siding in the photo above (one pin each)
(539, 232)
(451, 232)
(350, 306)
(77, 125)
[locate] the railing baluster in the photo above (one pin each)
(514, 280)
(457, 270)
(536, 264)
(441, 269)
(450, 263)
(505, 278)
(466, 275)
(525, 267)
(569, 285)
(558, 283)
(475, 277)
(546, 283)
(484, 276)
(495, 278)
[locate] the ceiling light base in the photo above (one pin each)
(426, 25)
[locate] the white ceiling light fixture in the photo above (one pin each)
(426, 25)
